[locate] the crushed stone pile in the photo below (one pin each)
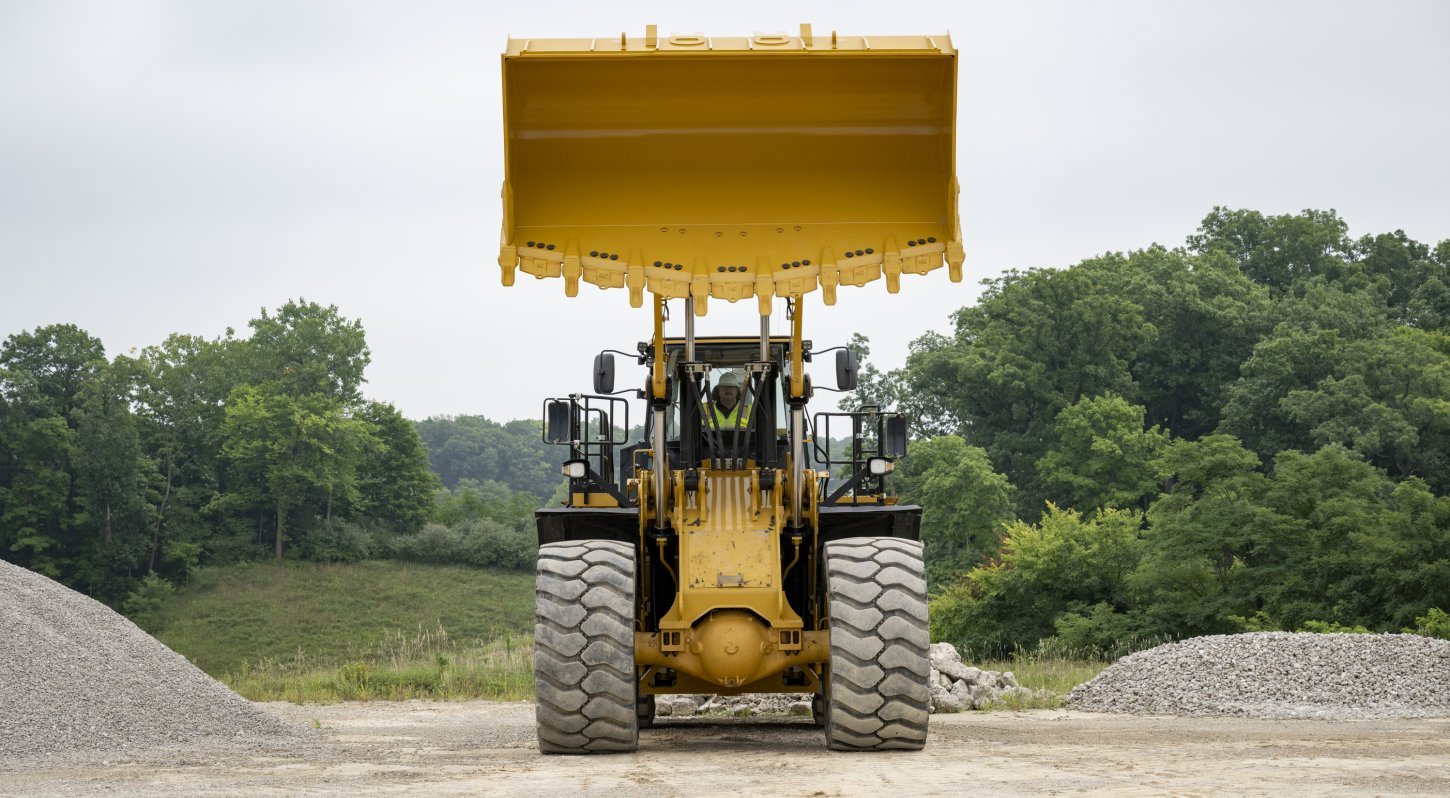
(77, 676)
(1278, 675)
(955, 687)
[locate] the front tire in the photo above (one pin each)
(584, 647)
(876, 593)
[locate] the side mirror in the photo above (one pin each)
(557, 415)
(846, 366)
(894, 437)
(604, 373)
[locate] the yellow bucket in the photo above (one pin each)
(729, 167)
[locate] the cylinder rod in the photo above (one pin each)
(661, 469)
(797, 462)
(689, 329)
(658, 401)
(797, 413)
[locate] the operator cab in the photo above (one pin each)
(699, 430)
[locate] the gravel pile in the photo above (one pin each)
(1278, 675)
(76, 676)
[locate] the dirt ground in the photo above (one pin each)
(482, 748)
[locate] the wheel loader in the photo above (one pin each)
(740, 544)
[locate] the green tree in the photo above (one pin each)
(1389, 400)
(45, 369)
(107, 456)
(473, 447)
(965, 504)
(394, 484)
(1103, 456)
(1204, 537)
(305, 348)
(42, 376)
(285, 449)
(1335, 559)
(1035, 343)
(1307, 346)
(1277, 251)
(1067, 562)
(35, 510)
(1206, 317)
(181, 389)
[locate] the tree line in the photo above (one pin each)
(1248, 431)
(204, 451)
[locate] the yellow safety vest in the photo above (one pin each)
(728, 420)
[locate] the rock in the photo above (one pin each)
(800, 709)
(982, 696)
(963, 692)
(680, 706)
(946, 702)
(1008, 679)
(943, 652)
(972, 675)
(944, 680)
(955, 671)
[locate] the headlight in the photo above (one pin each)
(880, 466)
(575, 469)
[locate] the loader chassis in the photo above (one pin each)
(728, 549)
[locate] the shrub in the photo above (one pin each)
(1329, 627)
(1434, 623)
(143, 605)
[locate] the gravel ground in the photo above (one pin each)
(75, 675)
(1279, 675)
(473, 748)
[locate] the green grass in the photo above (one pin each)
(392, 630)
(309, 617)
(427, 664)
(1055, 674)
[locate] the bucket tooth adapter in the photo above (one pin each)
(730, 549)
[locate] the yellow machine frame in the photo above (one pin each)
(697, 168)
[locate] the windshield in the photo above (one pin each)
(727, 366)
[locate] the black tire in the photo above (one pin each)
(879, 666)
(584, 648)
(644, 710)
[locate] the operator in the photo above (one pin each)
(725, 403)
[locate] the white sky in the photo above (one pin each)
(173, 167)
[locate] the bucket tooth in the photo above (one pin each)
(634, 278)
(700, 286)
(830, 277)
(571, 268)
(764, 286)
(508, 260)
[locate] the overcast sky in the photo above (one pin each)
(174, 167)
